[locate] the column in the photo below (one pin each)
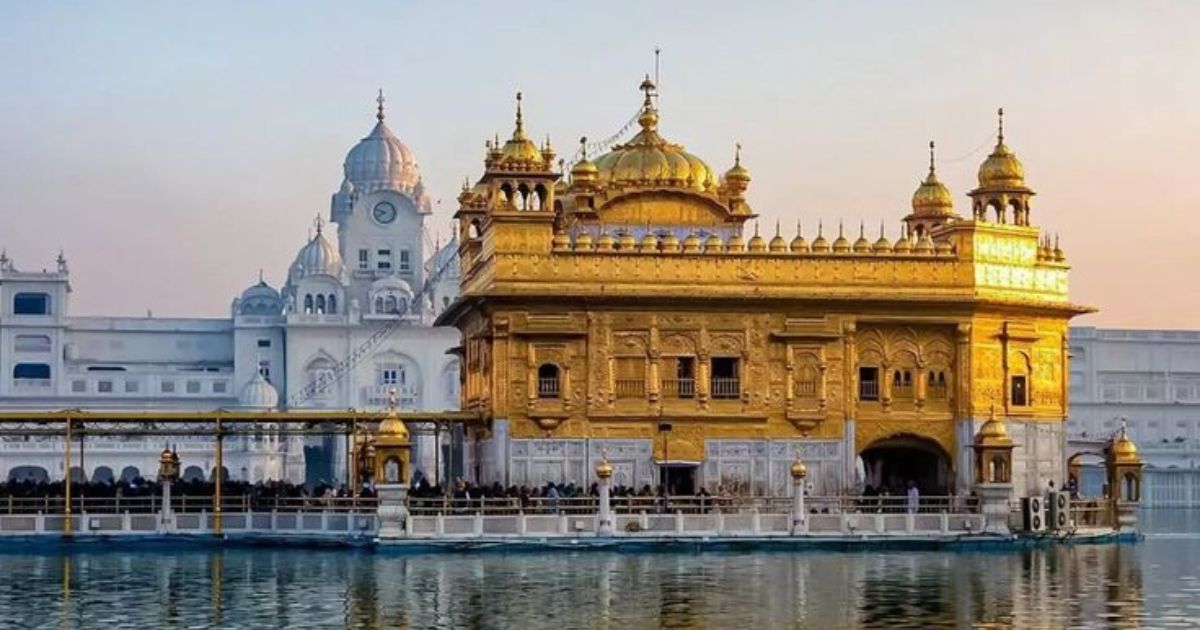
(604, 472)
(799, 517)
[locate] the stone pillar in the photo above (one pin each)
(166, 519)
(993, 505)
(393, 510)
(799, 516)
(604, 471)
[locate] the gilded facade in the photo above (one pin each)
(621, 307)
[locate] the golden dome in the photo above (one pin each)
(670, 242)
(713, 244)
(649, 242)
(820, 245)
(583, 242)
(691, 244)
(561, 241)
(1123, 450)
(626, 242)
(1001, 169)
(735, 243)
(392, 429)
(841, 245)
(777, 244)
(903, 245)
(757, 245)
(882, 245)
(799, 244)
(932, 196)
(943, 247)
(604, 469)
(799, 470)
(584, 171)
(993, 433)
(519, 151)
(606, 242)
(862, 245)
(924, 244)
(648, 160)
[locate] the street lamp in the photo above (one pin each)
(168, 473)
(665, 429)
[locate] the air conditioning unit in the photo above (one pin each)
(1060, 510)
(1033, 511)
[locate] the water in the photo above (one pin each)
(1153, 584)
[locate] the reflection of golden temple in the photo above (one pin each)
(600, 307)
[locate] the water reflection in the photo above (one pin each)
(1153, 584)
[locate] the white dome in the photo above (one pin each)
(381, 162)
(259, 393)
(317, 257)
(260, 299)
(392, 284)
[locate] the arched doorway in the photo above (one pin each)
(31, 474)
(892, 462)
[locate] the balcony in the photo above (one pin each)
(868, 390)
(679, 387)
(548, 388)
(726, 388)
(631, 388)
(380, 395)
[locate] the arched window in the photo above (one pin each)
(320, 307)
(379, 304)
(548, 382)
(806, 383)
(331, 305)
(308, 303)
(389, 304)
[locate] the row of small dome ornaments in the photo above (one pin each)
(696, 243)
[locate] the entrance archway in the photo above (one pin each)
(892, 462)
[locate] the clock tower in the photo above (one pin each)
(380, 212)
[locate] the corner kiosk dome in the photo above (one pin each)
(381, 161)
(317, 257)
(260, 299)
(258, 394)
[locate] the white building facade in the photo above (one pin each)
(351, 321)
(1149, 380)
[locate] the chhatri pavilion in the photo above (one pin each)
(631, 308)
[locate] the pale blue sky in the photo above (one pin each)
(173, 149)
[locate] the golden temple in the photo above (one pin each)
(622, 307)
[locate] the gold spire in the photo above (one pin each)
(932, 197)
(1000, 126)
(379, 106)
(798, 244)
(519, 131)
(1002, 169)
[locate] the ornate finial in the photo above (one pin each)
(466, 184)
(260, 275)
(881, 228)
(583, 147)
(319, 223)
(1000, 116)
(520, 119)
(799, 228)
(862, 229)
(737, 155)
(379, 100)
(992, 415)
(393, 399)
(756, 228)
(820, 228)
(841, 229)
(931, 157)
(647, 86)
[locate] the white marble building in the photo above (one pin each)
(1150, 379)
(354, 313)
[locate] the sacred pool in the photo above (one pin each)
(1153, 583)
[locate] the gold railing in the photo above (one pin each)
(631, 388)
(679, 387)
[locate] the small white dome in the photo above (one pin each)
(381, 162)
(392, 284)
(259, 394)
(260, 299)
(317, 257)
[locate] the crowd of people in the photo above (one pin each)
(140, 487)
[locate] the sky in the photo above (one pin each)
(174, 149)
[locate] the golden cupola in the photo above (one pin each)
(737, 178)
(1002, 169)
(932, 203)
(1123, 450)
(584, 173)
(932, 197)
(518, 153)
(649, 161)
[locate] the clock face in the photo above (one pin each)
(384, 212)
